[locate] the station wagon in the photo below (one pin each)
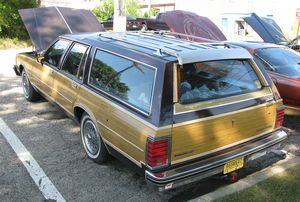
(179, 111)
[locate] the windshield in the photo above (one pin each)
(216, 79)
(281, 60)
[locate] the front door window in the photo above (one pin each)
(73, 61)
(55, 52)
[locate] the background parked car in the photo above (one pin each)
(156, 23)
(270, 31)
(190, 23)
(283, 66)
(131, 23)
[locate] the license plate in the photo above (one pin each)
(233, 165)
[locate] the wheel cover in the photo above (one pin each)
(25, 82)
(91, 139)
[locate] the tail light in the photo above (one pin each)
(279, 117)
(157, 153)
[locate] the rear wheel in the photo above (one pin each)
(29, 92)
(92, 141)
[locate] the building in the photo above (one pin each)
(227, 14)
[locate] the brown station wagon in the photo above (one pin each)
(179, 110)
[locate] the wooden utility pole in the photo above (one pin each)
(119, 23)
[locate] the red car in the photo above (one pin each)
(283, 66)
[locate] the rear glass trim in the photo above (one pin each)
(203, 81)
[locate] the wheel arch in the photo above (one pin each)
(80, 109)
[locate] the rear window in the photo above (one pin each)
(124, 79)
(215, 79)
(281, 60)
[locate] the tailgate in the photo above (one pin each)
(206, 120)
(191, 139)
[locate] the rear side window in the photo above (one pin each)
(216, 79)
(55, 52)
(73, 61)
(127, 80)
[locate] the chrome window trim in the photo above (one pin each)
(127, 104)
(175, 84)
(84, 57)
(259, 75)
(63, 55)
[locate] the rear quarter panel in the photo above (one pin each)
(124, 131)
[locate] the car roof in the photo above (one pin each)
(164, 45)
(255, 45)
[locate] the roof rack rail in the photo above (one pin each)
(205, 40)
(164, 42)
(163, 32)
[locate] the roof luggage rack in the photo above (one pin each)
(165, 43)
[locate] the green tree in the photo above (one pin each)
(132, 8)
(11, 24)
(106, 9)
(152, 13)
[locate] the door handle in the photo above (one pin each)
(52, 71)
(74, 85)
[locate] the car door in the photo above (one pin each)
(67, 82)
(47, 70)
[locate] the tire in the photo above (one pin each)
(92, 141)
(29, 92)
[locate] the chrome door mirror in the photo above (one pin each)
(40, 59)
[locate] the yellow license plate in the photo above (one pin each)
(233, 165)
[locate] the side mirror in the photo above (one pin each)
(40, 59)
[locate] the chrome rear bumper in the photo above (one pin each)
(211, 166)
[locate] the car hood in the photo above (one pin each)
(44, 25)
(192, 24)
(266, 28)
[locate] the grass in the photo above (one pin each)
(9, 43)
(282, 187)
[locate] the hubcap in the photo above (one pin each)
(25, 84)
(91, 137)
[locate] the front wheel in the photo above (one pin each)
(29, 92)
(92, 141)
